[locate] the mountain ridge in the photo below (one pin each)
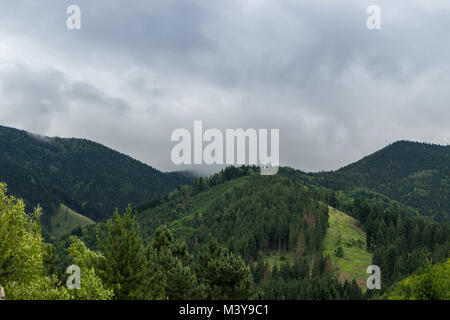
(90, 178)
(414, 173)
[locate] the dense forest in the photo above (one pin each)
(233, 235)
(85, 176)
(258, 217)
(125, 267)
(414, 174)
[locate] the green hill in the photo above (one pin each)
(247, 214)
(86, 176)
(65, 220)
(289, 236)
(411, 176)
(346, 233)
(415, 174)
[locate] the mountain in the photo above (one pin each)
(296, 244)
(248, 214)
(416, 175)
(87, 177)
(301, 235)
(273, 223)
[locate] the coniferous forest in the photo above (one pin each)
(233, 235)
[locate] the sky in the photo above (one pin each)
(138, 70)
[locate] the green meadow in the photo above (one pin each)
(65, 220)
(344, 232)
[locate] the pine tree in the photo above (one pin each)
(224, 274)
(123, 250)
(167, 273)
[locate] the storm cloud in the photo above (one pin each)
(137, 70)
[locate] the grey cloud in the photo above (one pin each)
(139, 70)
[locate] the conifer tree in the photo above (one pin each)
(224, 274)
(123, 250)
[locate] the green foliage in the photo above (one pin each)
(65, 220)
(247, 214)
(346, 231)
(20, 241)
(273, 232)
(433, 283)
(168, 272)
(123, 251)
(86, 176)
(339, 252)
(307, 278)
(414, 174)
(22, 254)
(224, 274)
(83, 257)
(40, 288)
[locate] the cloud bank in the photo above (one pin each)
(138, 70)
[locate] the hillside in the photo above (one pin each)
(429, 283)
(346, 233)
(411, 176)
(65, 220)
(287, 233)
(248, 214)
(415, 174)
(268, 218)
(88, 177)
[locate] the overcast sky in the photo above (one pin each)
(137, 70)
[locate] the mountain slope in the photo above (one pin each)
(415, 174)
(345, 232)
(271, 221)
(65, 220)
(247, 214)
(288, 235)
(86, 176)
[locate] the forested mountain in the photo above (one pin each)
(258, 216)
(277, 225)
(85, 176)
(249, 214)
(414, 174)
(274, 224)
(234, 235)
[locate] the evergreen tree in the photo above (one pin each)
(123, 250)
(224, 274)
(167, 273)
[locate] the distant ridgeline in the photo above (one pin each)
(93, 180)
(83, 175)
(415, 175)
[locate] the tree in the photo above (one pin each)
(339, 252)
(433, 283)
(21, 254)
(167, 273)
(224, 274)
(20, 240)
(90, 264)
(354, 291)
(123, 251)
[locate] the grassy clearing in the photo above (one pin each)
(65, 220)
(344, 232)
